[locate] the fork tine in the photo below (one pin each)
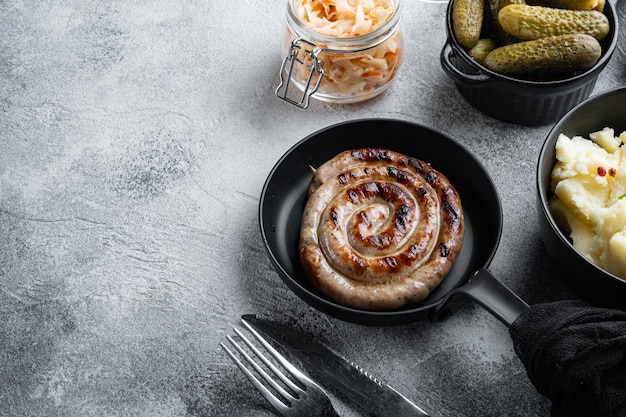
(270, 365)
(295, 372)
(289, 390)
(269, 396)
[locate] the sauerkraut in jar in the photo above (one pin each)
(341, 51)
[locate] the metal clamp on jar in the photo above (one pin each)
(340, 56)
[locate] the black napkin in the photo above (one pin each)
(575, 355)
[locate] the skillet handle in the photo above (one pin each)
(487, 291)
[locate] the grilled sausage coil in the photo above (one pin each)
(380, 230)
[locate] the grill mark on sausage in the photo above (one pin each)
(334, 216)
(449, 207)
(431, 177)
(401, 219)
(444, 250)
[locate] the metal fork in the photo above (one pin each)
(300, 397)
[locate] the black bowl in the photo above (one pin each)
(519, 101)
(590, 282)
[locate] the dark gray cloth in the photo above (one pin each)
(575, 355)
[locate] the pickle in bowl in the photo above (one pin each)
(534, 59)
(541, 41)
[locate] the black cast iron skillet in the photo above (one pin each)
(590, 282)
(284, 194)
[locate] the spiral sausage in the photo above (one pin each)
(380, 230)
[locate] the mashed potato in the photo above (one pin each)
(589, 183)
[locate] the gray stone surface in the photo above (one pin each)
(135, 138)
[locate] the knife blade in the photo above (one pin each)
(359, 386)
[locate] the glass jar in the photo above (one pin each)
(340, 61)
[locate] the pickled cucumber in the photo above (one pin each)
(600, 6)
(560, 54)
(533, 22)
(567, 4)
(482, 48)
(494, 6)
(467, 21)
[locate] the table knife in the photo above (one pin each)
(359, 386)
